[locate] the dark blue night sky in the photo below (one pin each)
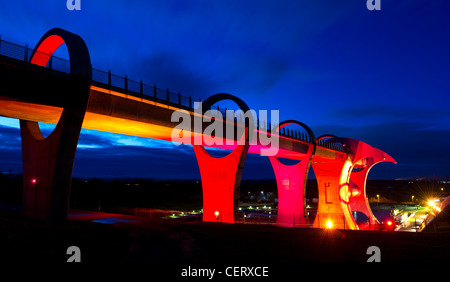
(378, 76)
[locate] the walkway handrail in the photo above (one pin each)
(123, 84)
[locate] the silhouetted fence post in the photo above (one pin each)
(25, 57)
(109, 78)
(50, 60)
(168, 98)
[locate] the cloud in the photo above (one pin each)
(133, 161)
(388, 113)
(170, 70)
(10, 149)
(302, 57)
(106, 154)
(10, 138)
(418, 148)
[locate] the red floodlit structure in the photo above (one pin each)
(48, 161)
(221, 177)
(291, 182)
(364, 157)
(332, 178)
(342, 183)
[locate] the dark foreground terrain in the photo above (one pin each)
(174, 243)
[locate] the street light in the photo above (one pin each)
(217, 213)
(412, 198)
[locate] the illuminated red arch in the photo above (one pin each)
(331, 136)
(213, 99)
(80, 62)
(312, 137)
(80, 67)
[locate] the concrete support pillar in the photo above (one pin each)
(291, 183)
(47, 168)
(291, 198)
(48, 162)
(332, 210)
(221, 177)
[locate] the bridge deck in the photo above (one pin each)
(109, 109)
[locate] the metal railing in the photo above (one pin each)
(123, 84)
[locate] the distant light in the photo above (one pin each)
(329, 224)
(33, 180)
(217, 213)
(355, 192)
(433, 205)
(389, 222)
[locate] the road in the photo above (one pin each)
(413, 222)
